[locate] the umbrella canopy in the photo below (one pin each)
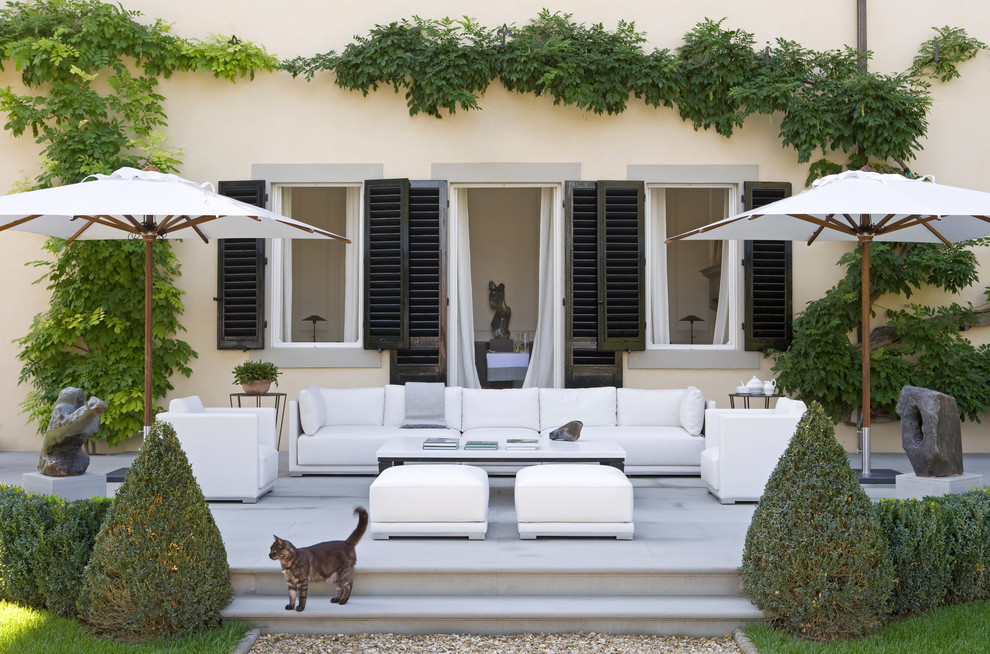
(862, 207)
(131, 203)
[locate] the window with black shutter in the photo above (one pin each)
(605, 280)
(405, 281)
(767, 270)
(241, 278)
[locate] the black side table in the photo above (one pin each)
(279, 408)
(746, 396)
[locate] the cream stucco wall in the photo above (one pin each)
(225, 129)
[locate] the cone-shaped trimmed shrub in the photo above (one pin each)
(158, 566)
(815, 560)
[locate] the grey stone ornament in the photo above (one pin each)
(569, 432)
(931, 432)
(73, 421)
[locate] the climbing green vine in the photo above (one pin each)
(827, 106)
(90, 73)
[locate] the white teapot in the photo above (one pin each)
(755, 385)
(770, 387)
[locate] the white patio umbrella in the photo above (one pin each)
(862, 207)
(149, 205)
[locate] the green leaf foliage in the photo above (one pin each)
(926, 347)
(45, 544)
(92, 335)
(815, 559)
(159, 565)
(826, 103)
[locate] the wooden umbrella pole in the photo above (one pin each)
(866, 242)
(149, 282)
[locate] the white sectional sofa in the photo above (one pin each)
(339, 430)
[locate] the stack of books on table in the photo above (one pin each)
(481, 445)
(522, 444)
(441, 443)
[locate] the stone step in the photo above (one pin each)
(487, 615)
(427, 581)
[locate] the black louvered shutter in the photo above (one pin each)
(767, 267)
(605, 280)
(425, 359)
(622, 322)
(386, 244)
(241, 278)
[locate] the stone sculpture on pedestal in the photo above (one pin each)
(930, 432)
(73, 421)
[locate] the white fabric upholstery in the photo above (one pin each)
(353, 406)
(511, 407)
(191, 404)
(692, 411)
(395, 406)
(232, 451)
(743, 447)
(644, 407)
(573, 500)
(595, 407)
(429, 500)
(312, 411)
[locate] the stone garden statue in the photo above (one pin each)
(496, 299)
(73, 421)
(931, 432)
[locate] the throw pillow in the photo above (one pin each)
(693, 410)
(311, 410)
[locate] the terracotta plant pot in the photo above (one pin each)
(257, 387)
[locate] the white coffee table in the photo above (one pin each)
(397, 451)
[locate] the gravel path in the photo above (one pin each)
(590, 643)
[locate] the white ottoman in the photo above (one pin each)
(430, 500)
(573, 500)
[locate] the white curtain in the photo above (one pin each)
(659, 308)
(464, 372)
(352, 277)
(540, 372)
(720, 332)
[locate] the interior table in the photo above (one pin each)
(397, 451)
(279, 408)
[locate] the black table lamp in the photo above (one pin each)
(314, 319)
(692, 319)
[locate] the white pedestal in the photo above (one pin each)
(86, 485)
(911, 485)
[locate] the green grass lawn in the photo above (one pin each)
(960, 629)
(28, 631)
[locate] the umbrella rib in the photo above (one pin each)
(15, 223)
(700, 230)
(826, 223)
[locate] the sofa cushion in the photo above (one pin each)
(510, 407)
(395, 406)
(595, 407)
(787, 405)
(644, 407)
(692, 410)
(191, 404)
(312, 413)
(651, 446)
(425, 405)
(353, 406)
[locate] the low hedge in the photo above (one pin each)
(940, 550)
(45, 544)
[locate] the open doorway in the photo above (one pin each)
(504, 228)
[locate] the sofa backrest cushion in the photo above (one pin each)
(191, 404)
(787, 405)
(595, 407)
(644, 407)
(692, 411)
(312, 411)
(395, 406)
(353, 406)
(510, 407)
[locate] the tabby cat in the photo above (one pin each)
(331, 561)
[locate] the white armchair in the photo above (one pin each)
(232, 450)
(742, 447)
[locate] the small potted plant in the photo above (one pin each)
(256, 377)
